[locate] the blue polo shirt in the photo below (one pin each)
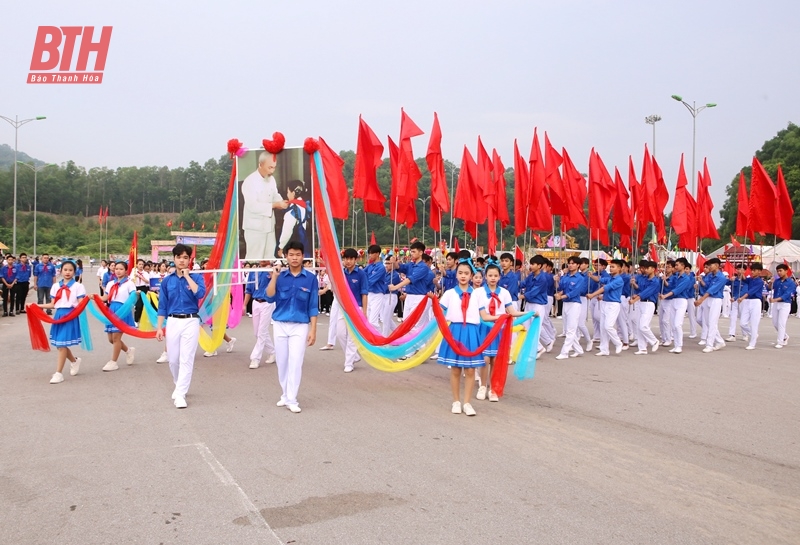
(626, 284)
(176, 296)
(571, 285)
(357, 281)
(45, 274)
(376, 277)
(392, 278)
(536, 288)
(684, 287)
(594, 285)
(24, 272)
(585, 288)
(417, 273)
(648, 288)
(612, 288)
(9, 273)
(715, 283)
(258, 290)
(510, 281)
(737, 287)
(784, 289)
(296, 297)
(449, 280)
(754, 287)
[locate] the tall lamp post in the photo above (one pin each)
(423, 201)
(695, 111)
(36, 171)
(652, 120)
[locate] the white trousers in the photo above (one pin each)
(336, 310)
(387, 317)
(181, 341)
(411, 303)
(633, 319)
(780, 313)
(726, 304)
(346, 340)
(260, 244)
(262, 318)
(691, 310)
(544, 335)
(679, 307)
(597, 318)
(622, 319)
(570, 313)
(582, 329)
(751, 318)
(644, 335)
(665, 320)
(714, 312)
(610, 313)
(375, 304)
(705, 308)
(547, 322)
(290, 348)
(734, 316)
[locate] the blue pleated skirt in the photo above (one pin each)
(115, 305)
(469, 336)
(495, 346)
(66, 334)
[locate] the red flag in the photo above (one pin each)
(653, 253)
(338, 194)
(499, 173)
(785, 210)
(467, 193)
(623, 221)
(538, 239)
(203, 227)
(169, 223)
(705, 206)
(181, 225)
(100, 216)
(728, 268)
(735, 242)
(369, 152)
(701, 261)
(133, 253)
(456, 249)
(192, 225)
(215, 227)
(487, 182)
(742, 211)
(408, 172)
(684, 213)
(372, 239)
(575, 188)
(763, 195)
(440, 199)
(559, 205)
(518, 253)
(192, 257)
(520, 192)
(539, 216)
(636, 210)
(601, 197)
(660, 199)
(789, 272)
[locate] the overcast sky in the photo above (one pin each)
(183, 77)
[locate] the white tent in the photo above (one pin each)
(786, 250)
(753, 249)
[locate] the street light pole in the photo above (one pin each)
(16, 123)
(652, 120)
(35, 172)
(423, 201)
(695, 111)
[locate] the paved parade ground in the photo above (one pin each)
(664, 448)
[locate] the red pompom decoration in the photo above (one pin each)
(275, 145)
(310, 145)
(234, 146)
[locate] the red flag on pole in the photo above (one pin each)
(558, 198)
(369, 152)
(742, 211)
(622, 223)
(372, 239)
(520, 193)
(684, 213)
(661, 197)
(636, 210)
(100, 216)
(785, 210)
(701, 261)
(133, 253)
(653, 252)
(486, 178)
(763, 195)
(169, 223)
(408, 172)
(705, 206)
(440, 199)
(338, 194)
(456, 249)
(728, 268)
(575, 188)
(499, 173)
(467, 191)
(601, 197)
(518, 253)
(539, 215)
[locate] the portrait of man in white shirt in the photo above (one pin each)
(261, 199)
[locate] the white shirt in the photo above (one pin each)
(451, 301)
(140, 278)
(123, 292)
(259, 195)
(101, 272)
(482, 300)
(76, 292)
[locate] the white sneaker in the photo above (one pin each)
(746, 338)
(281, 403)
(163, 358)
(625, 346)
(666, 343)
(560, 335)
(434, 357)
(294, 408)
(601, 353)
(618, 349)
(254, 364)
(180, 402)
(56, 378)
(327, 347)
(693, 336)
(456, 407)
(468, 410)
(654, 347)
(640, 353)
(778, 346)
(348, 368)
(562, 357)
(209, 354)
(130, 355)
(723, 345)
(748, 347)
(589, 346)
(731, 338)
(270, 359)
(708, 349)
(575, 354)
(676, 350)
(493, 396)
(111, 366)
(74, 367)
(230, 345)
(702, 343)
(481, 395)
(549, 347)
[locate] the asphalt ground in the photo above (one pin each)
(689, 448)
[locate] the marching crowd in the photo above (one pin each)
(619, 298)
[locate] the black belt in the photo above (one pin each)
(260, 300)
(184, 315)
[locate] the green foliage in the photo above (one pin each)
(784, 150)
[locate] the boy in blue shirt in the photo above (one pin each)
(570, 288)
(23, 282)
(43, 276)
(8, 276)
(681, 291)
(782, 290)
(714, 287)
(377, 286)
(611, 290)
(647, 288)
(295, 292)
(357, 282)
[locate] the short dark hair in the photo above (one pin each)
(618, 262)
(574, 259)
(417, 245)
(181, 249)
(452, 255)
(507, 255)
(585, 261)
(23, 254)
(350, 253)
(601, 261)
(754, 266)
(782, 267)
(518, 263)
(538, 260)
(464, 254)
(683, 261)
(374, 249)
(713, 261)
(426, 258)
(670, 262)
(294, 245)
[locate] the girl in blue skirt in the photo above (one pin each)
(461, 311)
(64, 298)
(117, 293)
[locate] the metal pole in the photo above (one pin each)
(366, 231)
(654, 139)
(35, 172)
(16, 134)
(694, 145)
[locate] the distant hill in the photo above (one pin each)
(7, 157)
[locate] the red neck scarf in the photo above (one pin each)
(10, 272)
(464, 301)
(63, 290)
(494, 301)
(114, 289)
